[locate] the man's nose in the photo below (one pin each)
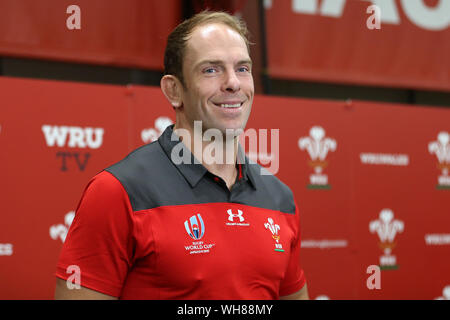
(231, 82)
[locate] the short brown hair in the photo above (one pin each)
(176, 42)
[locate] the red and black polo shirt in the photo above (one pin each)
(148, 228)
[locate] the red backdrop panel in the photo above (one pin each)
(330, 41)
(43, 181)
(409, 191)
(122, 33)
(151, 113)
(343, 161)
(325, 208)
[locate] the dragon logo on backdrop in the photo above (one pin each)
(59, 231)
(6, 249)
(387, 228)
(318, 147)
(445, 294)
(441, 148)
(152, 134)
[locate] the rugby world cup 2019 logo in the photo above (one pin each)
(318, 147)
(195, 227)
(441, 148)
(387, 228)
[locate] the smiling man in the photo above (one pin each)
(210, 80)
(150, 227)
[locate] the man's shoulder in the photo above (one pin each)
(146, 159)
(142, 173)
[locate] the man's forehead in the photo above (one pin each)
(211, 31)
(209, 45)
(207, 30)
(208, 42)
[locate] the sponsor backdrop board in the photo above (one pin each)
(150, 114)
(334, 41)
(315, 175)
(371, 181)
(55, 137)
(128, 33)
(327, 40)
(399, 197)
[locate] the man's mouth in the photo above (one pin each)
(229, 105)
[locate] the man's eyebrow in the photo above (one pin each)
(219, 62)
(246, 61)
(203, 62)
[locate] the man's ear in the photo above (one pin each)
(172, 89)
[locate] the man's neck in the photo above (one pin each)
(217, 156)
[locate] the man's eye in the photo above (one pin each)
(244, 69)
(209, 70)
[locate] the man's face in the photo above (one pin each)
(219, 83)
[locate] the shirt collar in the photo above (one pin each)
(193, 171)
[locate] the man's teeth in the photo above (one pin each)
(237, 105)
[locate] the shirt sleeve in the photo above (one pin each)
(100, 240)
(295, 277)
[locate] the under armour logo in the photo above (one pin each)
(231, 215)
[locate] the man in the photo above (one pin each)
(205, 227)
